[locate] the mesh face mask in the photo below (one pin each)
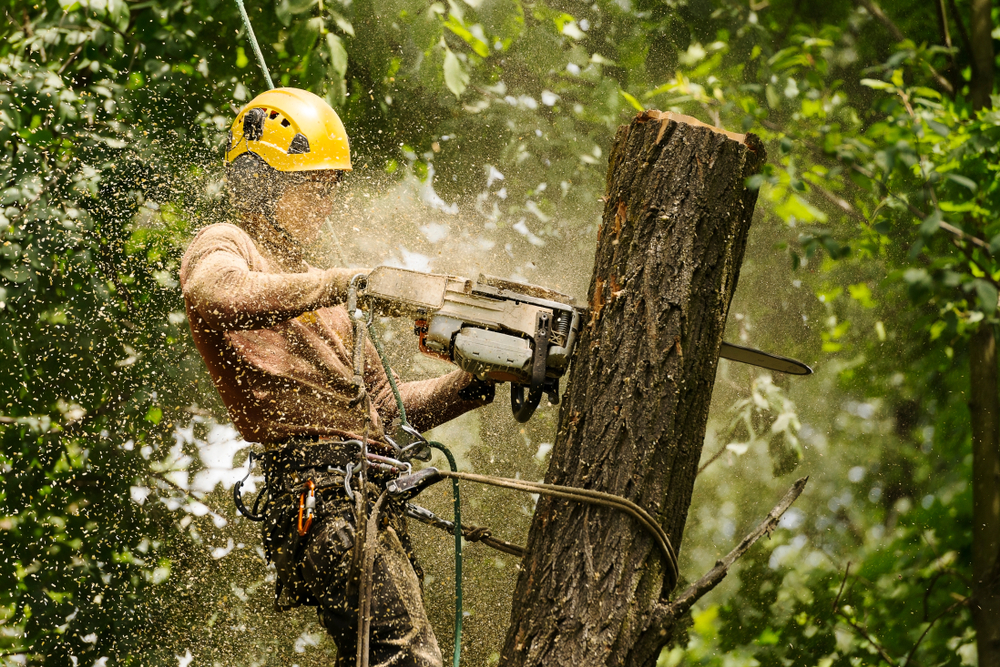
(254, 186)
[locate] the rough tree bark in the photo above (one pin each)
(676, 217)
(984, 404)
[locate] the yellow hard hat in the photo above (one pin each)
(291, 130)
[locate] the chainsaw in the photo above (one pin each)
(504, 331)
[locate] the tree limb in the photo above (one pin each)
(898, 35)
(868, 638)
(930, 625)
(836, 601)
(664, 614)
(962, 32)
(946, 38)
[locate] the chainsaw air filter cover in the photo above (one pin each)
(482, 352)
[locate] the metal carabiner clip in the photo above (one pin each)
(307, 508)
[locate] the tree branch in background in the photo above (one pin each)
(981, 31)
(843, 582)
(951, 229)
(714, 577)
(898, 35)
(861, 632)
(945, 612)
(712, 459)
(962, 32)
(71, 58)
(946, 38)
(880, 16)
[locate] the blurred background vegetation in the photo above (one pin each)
(480, 130)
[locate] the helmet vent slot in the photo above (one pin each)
(300, 144)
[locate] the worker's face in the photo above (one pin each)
(304, 206)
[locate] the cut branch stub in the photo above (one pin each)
(676, 217)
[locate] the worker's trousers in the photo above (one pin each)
(322, 568)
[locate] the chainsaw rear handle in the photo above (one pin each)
(523, 406)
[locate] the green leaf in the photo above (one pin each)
(342, 23)
(939, 128)
(305, 34)
(241, 57)
(455, 76)
(481, 49)
(963, 181)
(631, 100)
(338, 54)
(154, 414)
(931, 224)
(876, 84)
(987, 295)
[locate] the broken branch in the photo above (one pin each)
(714, 577)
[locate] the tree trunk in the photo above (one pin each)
(985, 413)
(984, 406)
(676, 218)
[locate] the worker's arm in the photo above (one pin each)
(428, 403)
(218, 282)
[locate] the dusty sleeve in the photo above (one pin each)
(218, 282)
(428, 403)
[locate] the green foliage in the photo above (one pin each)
(881, 192)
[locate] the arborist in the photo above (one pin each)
(279, 344)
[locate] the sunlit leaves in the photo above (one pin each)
(455, 76)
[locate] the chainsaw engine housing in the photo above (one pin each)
(492, 328)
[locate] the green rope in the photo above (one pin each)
(457, 502)
(253, 43)
(377, 340)
(455, 495)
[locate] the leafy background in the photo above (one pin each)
(480, 130)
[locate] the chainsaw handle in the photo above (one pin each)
(523, 407)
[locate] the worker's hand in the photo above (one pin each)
(339, 280)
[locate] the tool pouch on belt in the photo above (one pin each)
(314, 566)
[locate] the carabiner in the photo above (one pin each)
(307, 508)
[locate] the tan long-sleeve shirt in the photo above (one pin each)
(279, 347)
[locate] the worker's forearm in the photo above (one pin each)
(430, 403)
(230, 298)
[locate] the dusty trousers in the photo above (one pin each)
(321, 568)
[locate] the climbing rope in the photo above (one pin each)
(588, 496)
(253, 43)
